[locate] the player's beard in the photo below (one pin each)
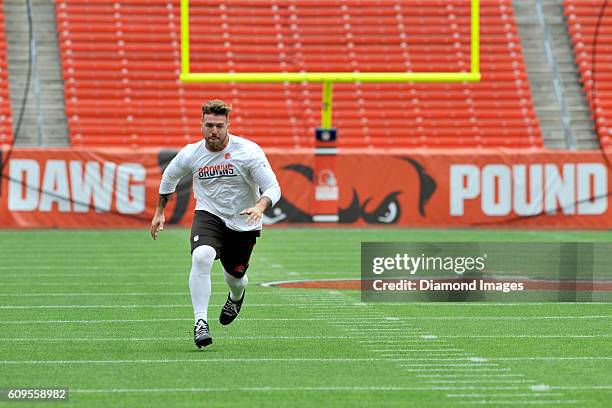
(218, 143)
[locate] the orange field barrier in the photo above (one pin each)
(116, 187)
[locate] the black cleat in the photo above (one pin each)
(201, 334)
(230, 310)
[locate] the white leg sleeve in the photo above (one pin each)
(199, 280)
(236, 285)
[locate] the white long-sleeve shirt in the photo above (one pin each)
(224, 182)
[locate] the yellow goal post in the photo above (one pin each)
(328, 78)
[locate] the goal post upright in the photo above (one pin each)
(326, 194)
(185, 54)
(475, 39)
(473, 76)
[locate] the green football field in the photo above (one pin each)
(108, 315)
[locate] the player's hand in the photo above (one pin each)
(254, 214)
(157, 224)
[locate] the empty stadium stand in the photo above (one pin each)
(594, 58)
(121, 63)
(6, 123)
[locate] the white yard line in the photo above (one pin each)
(481, 380)
(484, 360)
(407, 329)
(96, 284)
(279, 389)
(417, 340)
(243, 319)
(527, 336)
(202, 361)
(446, 364)
(92, 275)
(549, 358)
(521, 402)
(466, 375)
(453, 369)
(480, 395)
(185, 293)
(422, 349)
(127, 306)
(440, 354)
(186, 338)
(79, 267)
(410, 319)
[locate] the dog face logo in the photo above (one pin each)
(372, 210)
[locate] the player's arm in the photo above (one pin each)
(157, 224)
(170, 179)
(266, 180)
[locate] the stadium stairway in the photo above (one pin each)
(120, 63)
(54, 126)
(583, 18)
(541, 77)
(6, 124)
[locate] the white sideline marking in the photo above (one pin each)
(410, 319)
(527, 336)
(88, 306)
(244, 319)
(53, 340)
(445, 365)
(517, 402)
(383, 325)
(87, 275)
(422, 349)
(425, 359)
(477, 362)
(201, 361)
(281, 389)
(93, 283)
(551, 358)
(540, 387)
(504, 395)
(408, 329)
(95, 321)
(419, 341)
(126, 306)
(471, 369)
(466, 375)
(180, 338)
(185, 293)
(87, 267)
(438, 354)
(479, 381)
(436, 357)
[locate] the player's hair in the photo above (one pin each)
(216, 107)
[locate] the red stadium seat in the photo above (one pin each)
(583, 18)
(121, 61)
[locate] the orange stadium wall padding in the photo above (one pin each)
(117, 187)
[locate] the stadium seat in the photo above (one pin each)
(6, 123)
(582, 17)
(121, 61)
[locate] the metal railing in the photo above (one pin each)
(559, 89)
